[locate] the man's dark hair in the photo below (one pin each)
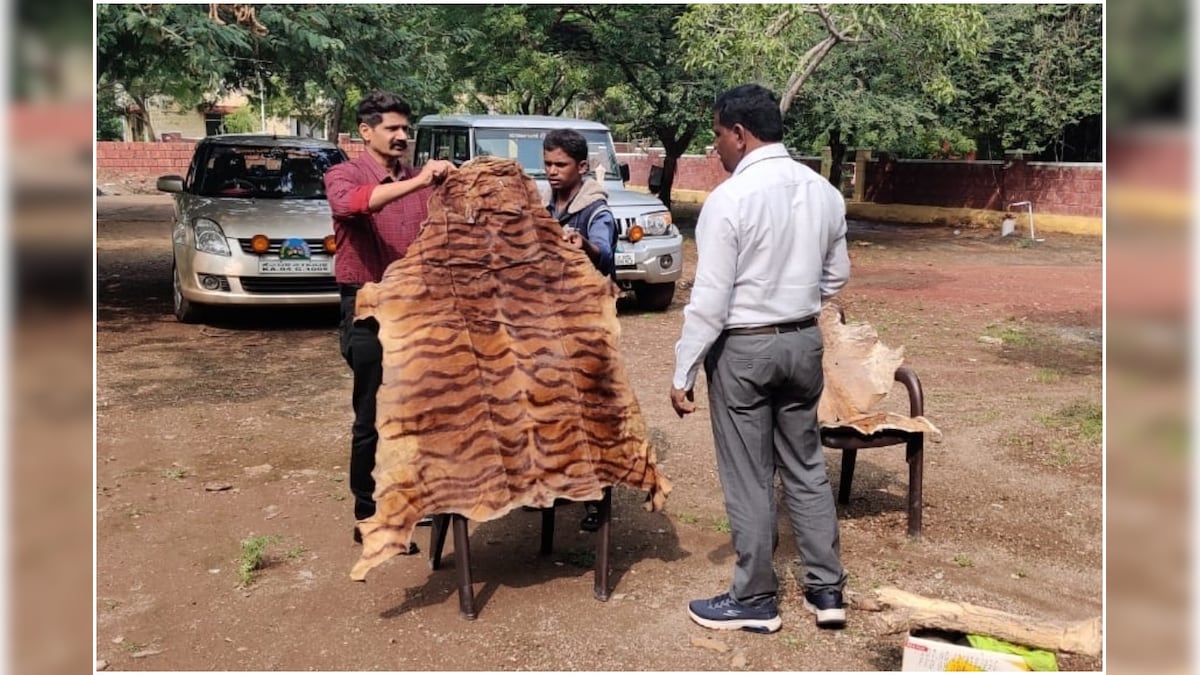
(754, 107)
(569, 141)
(374, 104)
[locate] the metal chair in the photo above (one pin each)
(462, 551)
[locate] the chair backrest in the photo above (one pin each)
(226, 167)
(305, 178)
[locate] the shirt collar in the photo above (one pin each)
(769, 151)
(380, 174)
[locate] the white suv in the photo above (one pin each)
(649, 255)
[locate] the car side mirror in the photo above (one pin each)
(170, 183)
(624, 169)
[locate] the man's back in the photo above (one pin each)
(785, 225)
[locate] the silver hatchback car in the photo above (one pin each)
(252, 224)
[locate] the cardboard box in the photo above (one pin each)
(927, 653)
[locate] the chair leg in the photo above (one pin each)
(462, 560)
(547, 531)
(915, 454)
(437, 540)
(848, 458)
(602, 540)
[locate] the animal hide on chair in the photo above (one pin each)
(859, 372)
(502, 380)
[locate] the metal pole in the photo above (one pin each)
(262, 103)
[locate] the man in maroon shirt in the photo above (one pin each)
(378, 206)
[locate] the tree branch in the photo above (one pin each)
(811, 60)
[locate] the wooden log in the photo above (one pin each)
(908, 611)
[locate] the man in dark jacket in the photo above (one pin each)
(580, 204)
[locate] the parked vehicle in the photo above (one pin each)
(252, 224)
(649, 255)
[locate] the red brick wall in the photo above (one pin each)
(1065, 189)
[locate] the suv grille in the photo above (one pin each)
(315, 245)
(269, 285)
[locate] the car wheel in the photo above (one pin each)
(654, 297)
(185, 310)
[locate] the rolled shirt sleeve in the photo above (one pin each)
(601, 234)
(347, 197)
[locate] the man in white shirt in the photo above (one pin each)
(771, 241)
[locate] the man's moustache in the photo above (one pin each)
(400, 145)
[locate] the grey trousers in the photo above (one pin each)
(763, 392)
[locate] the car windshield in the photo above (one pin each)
(265, 172)
(525, 146)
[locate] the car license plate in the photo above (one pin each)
(623, 259)
(294, 266)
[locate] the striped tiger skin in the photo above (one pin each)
(502, 382)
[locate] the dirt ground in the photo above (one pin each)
(259, 403)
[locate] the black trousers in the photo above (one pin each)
(364, 354)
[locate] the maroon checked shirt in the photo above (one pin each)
(368, 242)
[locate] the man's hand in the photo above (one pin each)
(435, 171)
(683, 401)
(573, 238)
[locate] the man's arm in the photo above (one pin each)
(348, 197)
(835, 271)
(600, 236)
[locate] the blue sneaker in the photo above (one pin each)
(725, 613)
(827, 604)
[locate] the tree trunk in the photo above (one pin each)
(837, 150)
(335, 119)
(143, 103)
(909, 611)
(668, 178)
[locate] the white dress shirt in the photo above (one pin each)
(771, 241)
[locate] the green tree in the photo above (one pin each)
(514, 63)
(173, 50)
(866, 70)
(667, 100)
(1038, 84)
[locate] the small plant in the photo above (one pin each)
(129, 646)
(1061, 455)
(253, 556)
(1084, 419)
(1020, 574)
(174, 474)
(722, 525)
(295, 552)
(789, 640)
(1047, 376)
(963, 560)
(1012, 335)
(688, 518)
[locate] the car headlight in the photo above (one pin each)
(657, 224)
(210, 238)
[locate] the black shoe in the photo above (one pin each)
(591, 519)
(827, 604)
(725, 613)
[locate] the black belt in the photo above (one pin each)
(349, 290)
(777, 328)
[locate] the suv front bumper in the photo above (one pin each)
(656, 260)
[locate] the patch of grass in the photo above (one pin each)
(689, 518)
(1061, 455)
(722, 525)
(1082, 418)
(580, 557)
(254, 554)
(295, 552)
(1012, 335)
(129, 646)
(174, 474)
(1047, 376)
(963, 560)
(789, 640)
